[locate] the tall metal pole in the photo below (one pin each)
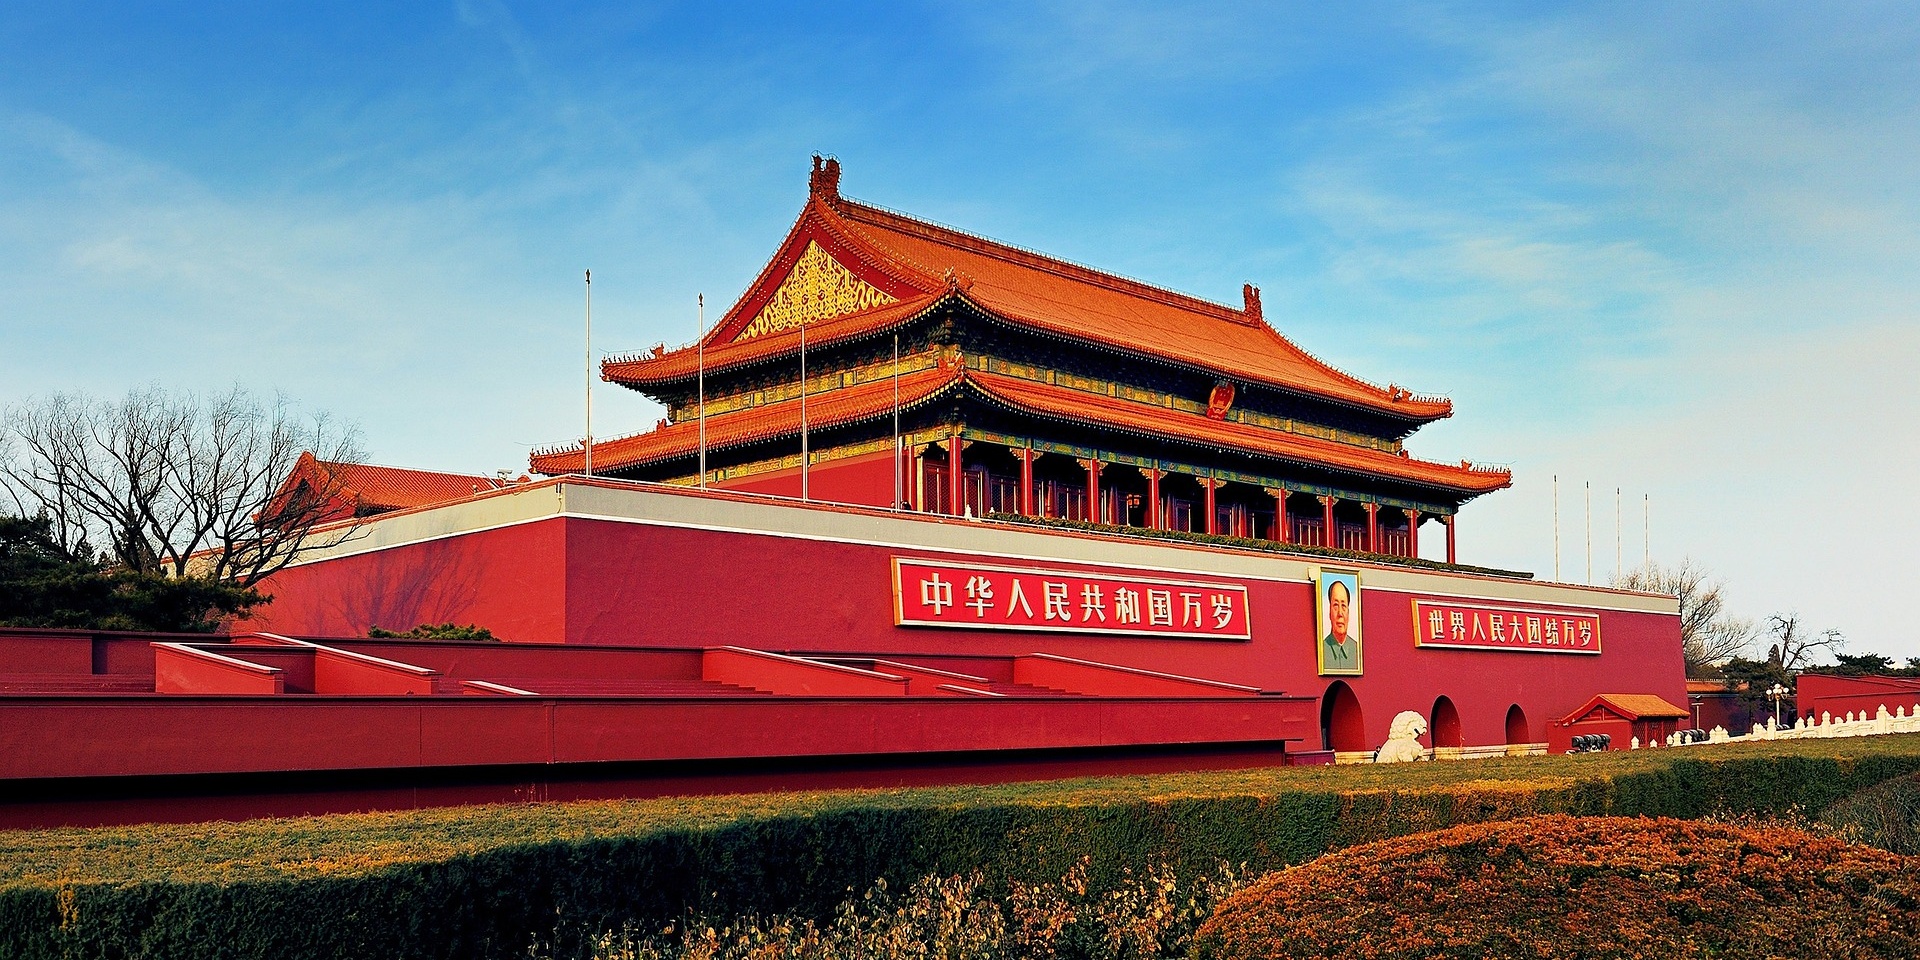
(1646, 528)
(1589, 533)
(806, 459)
(701, 356)
(589, 443)
(1556, 528)
(897, 479)
(1616, 533)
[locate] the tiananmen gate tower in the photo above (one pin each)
(1025, 385)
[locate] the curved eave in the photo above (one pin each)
(1040, 400)
(677, 369)
(681, 366)
(740, 428)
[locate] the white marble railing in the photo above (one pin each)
(1900, 720)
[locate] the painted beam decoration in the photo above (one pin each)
(1447, 624)
(972, 596)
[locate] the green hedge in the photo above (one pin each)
(493, 881)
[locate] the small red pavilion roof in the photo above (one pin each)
(911, 265)
(359, 489)
(1630, 706)
(875, 399)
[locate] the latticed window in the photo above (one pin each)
(1180, 514)
(1394, 543)
(1309, 531)
(1067, 501)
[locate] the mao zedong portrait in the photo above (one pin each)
(1340, 646)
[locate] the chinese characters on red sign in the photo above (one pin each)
(930, 594)
(1474, 627)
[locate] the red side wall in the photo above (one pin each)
(642, 584)
(510, 580)
(1817, 693)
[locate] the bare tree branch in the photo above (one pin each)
(173, 483)
(1709, 635)
(1795, 645)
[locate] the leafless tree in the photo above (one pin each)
(1794, 645)
(174, 484)
(1709, 635)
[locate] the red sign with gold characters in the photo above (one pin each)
(1467, 626)
(965, 595)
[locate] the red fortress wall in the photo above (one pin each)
(599, 562)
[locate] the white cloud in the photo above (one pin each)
(1696, 283)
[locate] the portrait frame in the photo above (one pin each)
(1327, 654)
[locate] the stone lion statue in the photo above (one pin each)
(1403, 739)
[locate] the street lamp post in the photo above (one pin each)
(1777, 693)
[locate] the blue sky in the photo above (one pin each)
(1664, 248)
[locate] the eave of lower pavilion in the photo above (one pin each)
(669, 377)
(845, 420)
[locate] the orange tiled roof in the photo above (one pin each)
(920, 263)
(397, 488)
(1634, 706)
(874, 399)
(359, 488)
(1077, 406)
(740, 427)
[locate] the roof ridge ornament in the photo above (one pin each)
(1251, 295)
(825, 181)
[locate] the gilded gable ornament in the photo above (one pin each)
(817, 288)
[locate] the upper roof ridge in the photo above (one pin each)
(1027, 256)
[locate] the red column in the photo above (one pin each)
(1153, 498)
(1413, 532)
(1208, 483)
(1026, 482)
(1373, 527)
(910, 473)
(956, 488)
(1093, 490)
(1328, 537)
(1448, 520)
(1280, 532)
(917, 477)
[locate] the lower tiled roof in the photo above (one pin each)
(875, 399)
(737, 428)
(1097, 411)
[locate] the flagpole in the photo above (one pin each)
(896, 422)
(806, 460)
(700, 352)
(1616, 533)
(1589, 533)
(1556, 528)
(589, 443)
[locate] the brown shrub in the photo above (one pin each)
(1886, 815)
(1592, 887)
